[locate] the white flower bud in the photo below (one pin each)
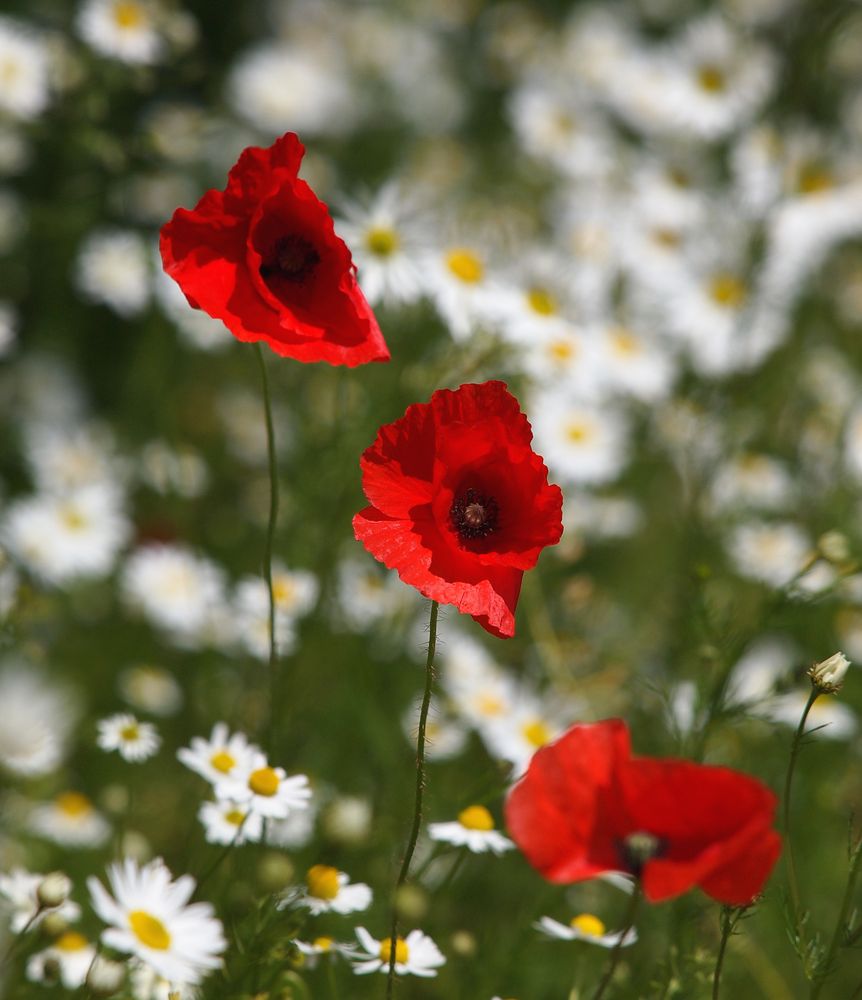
(105, 976)
(829, 674)
(53, 890)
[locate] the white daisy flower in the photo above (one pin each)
(276, 86)
(173, 470)
(462, 287)
(149, 917)
(251, 612)
(220, 757)
(828, 717)
(366, 595)
(586, 927)
(63, 538)
(445, 736)
(24, 70)
(134, 740)
(415, 955)
(773, 553)
(474, 829)
(19, 900)
(147, 984)
(634, 364)
(113, 269)
(227, 822)
(293, 832)
(265, 790)
(150, 689)
(321, 946)
(70, 819)
(386, 242)
(69, 956)
(517, 735)
(751, 480)
(121, 29)
(63, 458)
(36, 720)
(330, 891)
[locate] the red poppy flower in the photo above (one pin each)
(587, 806)
(460, 503)
(262, 256)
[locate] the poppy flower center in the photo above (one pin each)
(474, 515)
(293, 259)
(638, 848)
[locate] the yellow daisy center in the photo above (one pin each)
(465, 265)
(489, 704)
(382, 241)
(712, 79)
(130, 733)
(222, 761)
(149, 930)
(73, 804)
(73, 519)
(536, 733)
(727, 290)
(128, 15)
(71, 941)
(665, 237)
(402, 952)
(322, 881)
(624, 342)
(323, 943)
(9, 71)
(476, 818)
(283, 590)
(235, 817)
(578, 432)
(541, 301)
(814, 178)
(263, 781)
(587, 924)
(561, 350)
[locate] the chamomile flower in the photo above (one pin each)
(69, 957)
(386, 241)
(70, 819)
(751, 481)
(113, 269)
(462, 287)
(474, 829)
(150, 917)
(223, 756)
(36, 720)
(24, 70)
(251, 609)
(828, 717)
(266, 790)
(771, 552)
(20, 902)
(519, 733)
(586, 927)
(327, 890)
(227, 822)
(150, 689)
(134, 740)
(415, 955)
(121, 29)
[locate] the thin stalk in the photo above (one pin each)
(840, 923)
(270, 537)
(15, 943)
(221, 856)
(420, 788)
(613, 960)
(789, 862)
(729, 919)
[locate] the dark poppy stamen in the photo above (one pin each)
(293, 259)
(638, 848)
(474, 515)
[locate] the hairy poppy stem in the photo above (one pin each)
(838, 934)
(420, 788)
(270, 536)
(627, 924)
(730, 917)
(790, 865)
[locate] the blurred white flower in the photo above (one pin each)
(265, 790)
(69, 956)
(18, 899)
(24, 70)
(122, 29)
(70, 819)
(327, 890)
(474, 829)
(773, 553)
(36, 720)
(227, 822)
(222, 756)
(586, 927)
(150, 689)
(113, 269)
(415, 955)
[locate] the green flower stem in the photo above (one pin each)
(420, 788)
(730, 917)
(627, 924)
(270, 537)
(840, 923)
(789, 863)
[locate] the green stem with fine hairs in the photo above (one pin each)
(420, 788)
(840, 924)
(627, 924)
(730, 917)
(270, 537)
(790, 864)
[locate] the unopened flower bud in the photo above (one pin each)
(53, 890)
(828, 675)
(105, 976)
